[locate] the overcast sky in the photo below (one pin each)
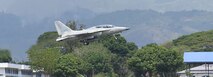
(45, 8)
(38, 9)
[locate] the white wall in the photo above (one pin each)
(196, 75)
(2, 72)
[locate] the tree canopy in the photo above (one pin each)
(154, 59)
(69, 65)
(97, 56)
(5, 55)
(44, 59)
(106, 56)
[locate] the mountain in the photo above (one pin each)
(200, 41)
(18, 34)
(147, 26)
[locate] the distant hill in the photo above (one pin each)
(147, 26)
(200, 41)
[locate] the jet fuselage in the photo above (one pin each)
(86, 34)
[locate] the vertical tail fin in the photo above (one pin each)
(61, 28)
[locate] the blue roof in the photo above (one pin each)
(198, 57)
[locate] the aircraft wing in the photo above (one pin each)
(61, 38)
(82, 34)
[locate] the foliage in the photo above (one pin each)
(170, 61)
(152, 59)
(106, 75)
(47, 40)
(118, 46)
(72, 25)
(47, 36)
(200, 41)
(105, 57)
(145, 59)
(70, 66)
(5, 55)
(120, 50)
(97, 57)
(44, 59)
(24, 62)
(43, 55)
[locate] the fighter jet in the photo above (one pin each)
(85, 35)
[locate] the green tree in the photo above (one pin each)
(70, 66)
(120, 49)
(72, 25)
(46, 45)
(44, 59)
(5, 55)
(47, 40)
(170, 62)
(145, 60)
(117, 46)
(97, 56)
(154, 59)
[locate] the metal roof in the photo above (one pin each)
(198, 57)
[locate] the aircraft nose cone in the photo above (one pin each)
(127, 28)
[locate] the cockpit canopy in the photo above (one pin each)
(105, 26)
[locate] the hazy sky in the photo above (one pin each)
(39, 9)
(45, 8)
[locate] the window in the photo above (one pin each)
(38, 74)
(105, 26)
(26, 72)
(98, 26)
(205, 76)
(11, 71)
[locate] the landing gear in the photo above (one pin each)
(85, 42)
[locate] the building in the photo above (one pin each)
(18, 70)
(201, 57)
(204, 70)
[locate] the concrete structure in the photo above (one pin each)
(199, 71)
(17, 70)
